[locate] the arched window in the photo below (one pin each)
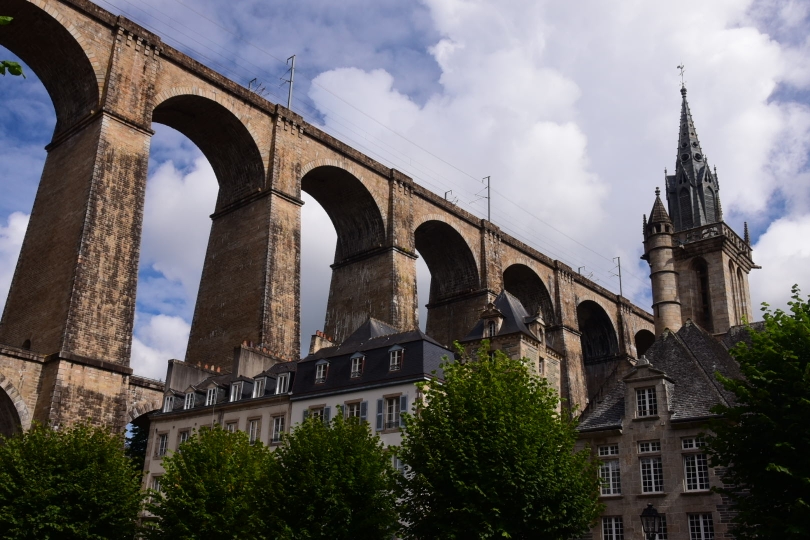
(703, 308)
(685, 204)
(743, 296)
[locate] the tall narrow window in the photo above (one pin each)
(258, 387)
(610, 475)
(685, 204)
(189, 403)
(253, 431)
(696, 472)
(491, 329)
(662, 533)
(395, 358)
(236, 391)
(183, 437)
(278, 429)
(357, 365)
(321, 370)
(703, 309)
(168, 404)
(652, 475)
(211, 396)
(162, 445)
(612, 528)
(392, 413)
(283, 382)
(701, 527)
(646, 402)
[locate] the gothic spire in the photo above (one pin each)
(692, 190)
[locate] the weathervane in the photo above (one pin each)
(681, 68)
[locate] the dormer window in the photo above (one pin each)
(357, 365)
(236, 391)
(211, 396)
(395, 356)
(321, 370)
(283, 383)
(492, 329)
(646, 402)
(168, 404)
(189, 403)
(258, 386)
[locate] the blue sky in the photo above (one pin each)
(571, 108)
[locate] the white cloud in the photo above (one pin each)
(11, 238)
(157, 339)
(784, 253)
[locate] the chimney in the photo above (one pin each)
(319, 341)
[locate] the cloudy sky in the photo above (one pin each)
(572, 108)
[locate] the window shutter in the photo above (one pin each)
(327, 411)
(379, 415)
(403, 407)
(363, 411)
(306, 414)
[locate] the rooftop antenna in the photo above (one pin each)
(291, 63)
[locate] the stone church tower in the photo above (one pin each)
(698, 265)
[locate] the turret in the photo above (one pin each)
(658, 252)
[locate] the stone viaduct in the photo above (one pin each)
(67, 326)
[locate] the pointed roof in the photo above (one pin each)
(372, 328)
(659, 214)
(690, 156)
(515, 318)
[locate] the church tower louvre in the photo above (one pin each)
(711, 262)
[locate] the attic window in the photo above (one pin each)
(357, 365)
(236, 391)
(646, 402)
(189, 403)
(211, 396)
(283, 383)
(492, 329)
(395, 356)
(168, 403)
(258, 386)
(321, 369)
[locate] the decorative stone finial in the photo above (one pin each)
(644, 224)
(643, 361)
(657, 192)
(746, 236)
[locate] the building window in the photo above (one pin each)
(322, 413)
(611, 478)
(395, 359)
(283, 382)
(399, 466)
(183, 437)
(649, 446)
(230, 427)
(353, 410)
(662, 534)
(652, 475)
(258, 387)
(168, 404)
(389, 412)
(211, 396)
(162, 444)
(357, 366)
(320, 372)
(609, 450)
(491, 329)
(612, 528)
(696, 472)
(646, 402)
(189, 403)
(392, 413)
(701, 527)
(253, 430)
(156, 483)
(692, 443)
(236, 391)
(278, 429)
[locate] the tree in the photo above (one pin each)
(763, 438)
(211, 489)
(13, 68)
(137, 441)
(490, 455)
(335, 480)
(74, 483)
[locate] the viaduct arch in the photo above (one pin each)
(72, 297)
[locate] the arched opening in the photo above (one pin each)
(742, 294)
(453, 274)
(525, 285)
(735, 294)
(10, 423)
(644, 340)
(703, 307)
(598, 336)
(685, 204)
(58, 60)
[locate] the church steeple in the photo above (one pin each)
(692, 192)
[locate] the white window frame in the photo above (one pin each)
(357, 366)
(652, 474)
(649, 447)
(283, 383)
(610, 474)
(232, 427)
(278, 429)
(258, 386)
(318, 412)
(662, 534)
(392, 412)
(184, 435)
(609, 450)
(321, 372)
(254, 429)
(492, 329)
(189, 401)
(162, 444)
(646, 402)
(395, 359)
(612, 528)
(353, 409)
(701, 527)
(236, 391)
(156, 483)
(695, 472)
(211, 396)
(168, 404)
(693, 443)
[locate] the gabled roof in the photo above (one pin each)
(688, 359)
(515, 319)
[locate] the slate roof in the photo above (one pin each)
(659, 214)
(423, 355)
(515, 319)
(689, 359)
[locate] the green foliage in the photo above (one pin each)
(7, 65)
(136, 444)
(491, 456)
(211, 489)
(764, 438)
(75, 483)
(334, 481)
